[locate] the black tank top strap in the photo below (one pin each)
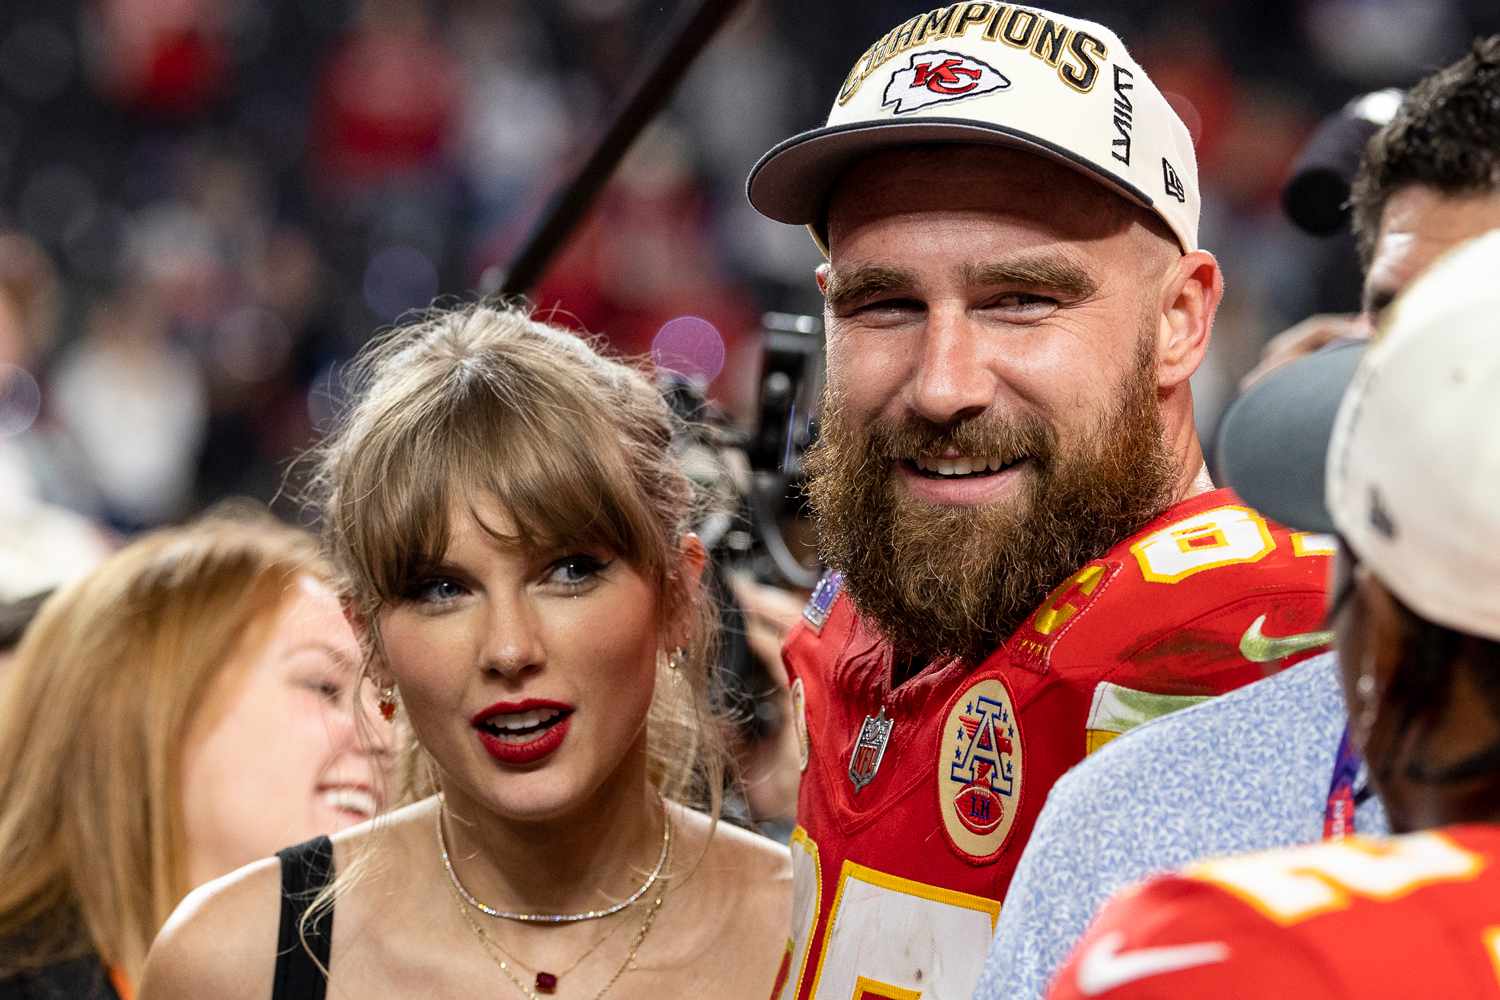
(306, 870)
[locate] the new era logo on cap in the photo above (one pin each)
(939, 76)
(1170, 182)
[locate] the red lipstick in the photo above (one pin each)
(536, 738)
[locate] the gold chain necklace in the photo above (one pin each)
(547, 982)
(550, 918)
(502, 959)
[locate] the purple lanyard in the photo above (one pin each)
(1338, 817)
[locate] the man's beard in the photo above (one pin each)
(944, 581)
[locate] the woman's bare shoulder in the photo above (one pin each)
(744, 846)
(739, 863)
(221, 939)
(732, 911)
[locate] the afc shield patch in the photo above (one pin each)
(979, 770)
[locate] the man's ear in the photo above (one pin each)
(1189, 299)
(821, 274)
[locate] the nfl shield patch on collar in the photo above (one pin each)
(869, 749)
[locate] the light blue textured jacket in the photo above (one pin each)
(1244, 772)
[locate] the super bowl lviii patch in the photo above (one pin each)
(979, 769)
(821, 602)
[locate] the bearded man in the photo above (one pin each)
(1028, 555)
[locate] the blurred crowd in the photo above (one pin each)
(211, 203)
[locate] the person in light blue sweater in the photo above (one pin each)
(1246, 771)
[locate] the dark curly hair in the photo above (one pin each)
(1446, 136)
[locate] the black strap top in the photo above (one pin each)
(306, 870)
(73, 979)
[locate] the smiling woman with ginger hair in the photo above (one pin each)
(185, 708)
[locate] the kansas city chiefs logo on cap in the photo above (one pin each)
(937, 76)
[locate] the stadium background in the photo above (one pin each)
(236, 193)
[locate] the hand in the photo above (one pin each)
(770, 769)
(1312, 334)
(770, 613)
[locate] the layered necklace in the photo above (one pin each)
(551, 918)
(547, 982)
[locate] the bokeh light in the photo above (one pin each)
(1188, 112)
(690, 346)
(20, 400)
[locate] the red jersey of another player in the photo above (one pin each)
(916, 802)
(1355, 919)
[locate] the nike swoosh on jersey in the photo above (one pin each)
(1105, 966)
(1257, 647)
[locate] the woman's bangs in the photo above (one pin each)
(550, 477)
(554, 475)
(399, 524)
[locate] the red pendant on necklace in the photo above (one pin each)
(546, 982)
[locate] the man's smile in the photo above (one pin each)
(951, 464)
(961, 481)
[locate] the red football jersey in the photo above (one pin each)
(916, 802)
(1354, 919)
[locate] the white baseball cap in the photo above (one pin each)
(996, 74)
(1414, 462)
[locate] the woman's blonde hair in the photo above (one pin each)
(94, 714)
(485, 402)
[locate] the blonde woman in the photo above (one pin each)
(513, 528)
(185, 708)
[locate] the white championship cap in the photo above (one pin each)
(998, 74)
(1414, 461)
